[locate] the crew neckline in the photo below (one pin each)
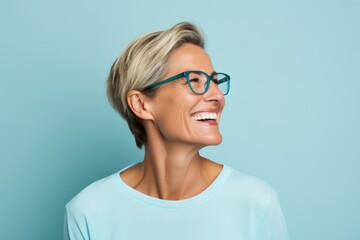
(174, 204)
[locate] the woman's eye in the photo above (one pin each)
(194, 80)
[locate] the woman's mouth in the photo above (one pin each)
(209, 117)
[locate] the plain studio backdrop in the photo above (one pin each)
(291, 118)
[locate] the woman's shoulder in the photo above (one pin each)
(246, 186)
(93, 193)
(102, 189)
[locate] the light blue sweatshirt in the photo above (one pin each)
(234, 206)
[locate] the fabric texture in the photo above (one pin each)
(234, 206)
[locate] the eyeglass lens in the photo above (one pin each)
(198, 82)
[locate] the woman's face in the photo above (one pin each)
(178, 113)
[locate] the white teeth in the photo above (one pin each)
(204, 116)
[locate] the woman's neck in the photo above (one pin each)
(171, 172)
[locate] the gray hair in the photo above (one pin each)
(144, 62)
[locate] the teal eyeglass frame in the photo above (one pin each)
(186, 75)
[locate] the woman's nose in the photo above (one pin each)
(214, 93)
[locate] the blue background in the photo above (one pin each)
(292, 117)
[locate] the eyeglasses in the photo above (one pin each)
(199, 81)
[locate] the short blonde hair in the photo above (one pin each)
(144, 62)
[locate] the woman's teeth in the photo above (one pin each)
(204, 116)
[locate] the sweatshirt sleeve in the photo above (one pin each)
(273, 226)
(75, 227)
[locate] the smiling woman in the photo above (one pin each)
(166, 88)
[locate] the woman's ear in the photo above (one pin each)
(137, 103)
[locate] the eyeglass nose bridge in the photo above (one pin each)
(226, 80)
(215, 82)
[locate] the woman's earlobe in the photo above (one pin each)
(137, 103)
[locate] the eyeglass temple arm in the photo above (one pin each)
(180, 75)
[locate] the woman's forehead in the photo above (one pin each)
(189, 57)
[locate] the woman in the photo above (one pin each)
(166, 88)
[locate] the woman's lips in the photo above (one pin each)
(208, 118)
(200, 116)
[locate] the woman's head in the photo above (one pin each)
(183, 111)
(144, 62)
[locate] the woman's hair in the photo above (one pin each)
(144, 62)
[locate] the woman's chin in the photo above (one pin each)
(213, 140)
